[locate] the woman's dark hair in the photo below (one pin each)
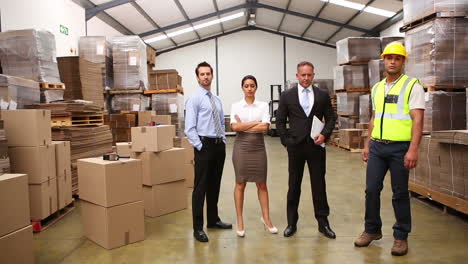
(249, 77)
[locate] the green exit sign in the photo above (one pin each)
(63, 30)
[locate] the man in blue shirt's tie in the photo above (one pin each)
(204, 127)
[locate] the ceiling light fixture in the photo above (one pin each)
(357, 6)
(199, 26)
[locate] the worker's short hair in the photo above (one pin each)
(203, 64)
(304, 63)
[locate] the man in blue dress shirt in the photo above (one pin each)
(204, 127)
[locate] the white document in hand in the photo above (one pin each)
(317, 127)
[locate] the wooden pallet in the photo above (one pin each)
(430, 17)
(455, 203)
(355, 63)
(41, 225)
(446, 88)
(77, 120)
(52, 86)
(164, 91)
(353, 150)
(137, 91)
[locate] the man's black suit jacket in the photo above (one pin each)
(300, 124)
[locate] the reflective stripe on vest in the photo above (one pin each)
(392, 120)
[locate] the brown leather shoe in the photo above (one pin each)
(366, 238)
(400, 247)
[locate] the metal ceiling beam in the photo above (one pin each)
(215, 5)
(149, 19)
(106, 18)
(284, 15)
(252, 5)
(193, 20)
(242, 29)
(91, 12)
(312, 21)
(349, 20)
(201, 40)
(251, 10)
(323, 20)
(182, 10)
(387, 23)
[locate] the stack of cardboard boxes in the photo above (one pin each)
(46, 163)
(69, 68)
(111, 201)
(16, 92)
(16, 237)
(164, 185)
(95, 64)
(165, 79)
(171, 104)
(31, 152)
(30, 54)
(189, 170)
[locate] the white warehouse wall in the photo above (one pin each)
(247, 52)
(97, 27)
(46, 14)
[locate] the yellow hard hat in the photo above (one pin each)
(394, 48)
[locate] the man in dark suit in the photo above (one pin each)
(299, 105)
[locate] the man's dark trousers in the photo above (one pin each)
(209, 163)
(384, 157)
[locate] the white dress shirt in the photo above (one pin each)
(300, 91)
(257, 111)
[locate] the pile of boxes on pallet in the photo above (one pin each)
(130, 74)
(4, 158)
(437, 57)
(16, 235)
(28, 54)
(95, 69)
(47, 163)
(360, 68)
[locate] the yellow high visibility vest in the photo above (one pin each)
(392, 120)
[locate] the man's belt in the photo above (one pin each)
(384, 141)
(211, 140)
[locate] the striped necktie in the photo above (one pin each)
(216, 118)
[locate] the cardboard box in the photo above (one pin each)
(17, 247)
(115, 226)
(64, 191)
(189, 172)
(352, 138)
(14, 202)
(165, 198)
(182, 142)
(161, 167)
(25, 128)
(144, 117)
(38, 162)
(110, 183)
(152, 138)
(162, 119)
(43, 199)
(62, 157)
(124, 148)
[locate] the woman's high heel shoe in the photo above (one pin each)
(272, 230)
(240, 233)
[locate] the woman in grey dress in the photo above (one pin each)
(250, 119)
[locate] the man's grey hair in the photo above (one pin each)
(304, 63)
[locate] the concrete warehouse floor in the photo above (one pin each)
(436, 237)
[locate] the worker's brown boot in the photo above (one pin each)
(366, 238)
(400, 247)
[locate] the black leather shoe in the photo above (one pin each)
(290, 230)
(200, 235)
(220, 225)
(326, 231)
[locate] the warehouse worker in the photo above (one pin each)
(204, 127)
(395, 131)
